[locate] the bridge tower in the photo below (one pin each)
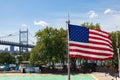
(23, 39)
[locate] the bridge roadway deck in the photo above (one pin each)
(15, 44)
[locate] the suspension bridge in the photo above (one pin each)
(21, 39)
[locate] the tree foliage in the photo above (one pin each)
(91, 25)
(51, 46)
(6, 58)
(25, 56)
(114, 40)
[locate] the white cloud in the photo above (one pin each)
(92, 14)
(108, 11)
(40, 23)
(109, 23)
(116, 19)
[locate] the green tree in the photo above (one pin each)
(91, 25)
(50, 48)
(6, 58)
(114, 40)
(25, 56)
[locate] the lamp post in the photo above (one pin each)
(118, 53)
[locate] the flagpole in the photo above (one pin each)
(68, 22)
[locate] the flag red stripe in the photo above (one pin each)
(90, 58)
(90, 47)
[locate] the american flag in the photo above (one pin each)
(90, 44)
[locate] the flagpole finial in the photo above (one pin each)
(68, 21)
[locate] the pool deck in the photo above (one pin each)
(96, 75)
(102, 76)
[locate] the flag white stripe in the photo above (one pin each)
(99, 32)
(100, 37)
(99, 41)
(90, 44)
(91, 50)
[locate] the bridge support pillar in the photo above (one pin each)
(11, 49)
(23, 49)
(23, 39)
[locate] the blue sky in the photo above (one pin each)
(36, 14)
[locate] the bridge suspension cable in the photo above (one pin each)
(32, 39)
(10, 35)
(32, 35)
